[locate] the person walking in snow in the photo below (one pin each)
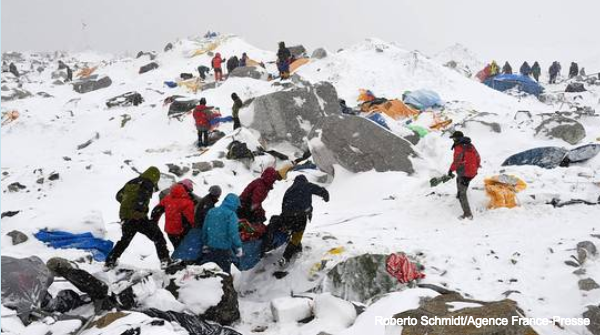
(232, 63)
(202, 116)
(179, 209)
(573, 70)
(134, 198)
(202, 71)
(296, 211)
(536, 70)
(465, 163)
(220, 234)
(284, 58)
(553, 72)
(254, 194)
(235, 110)
(525, 69)
(207, 203)
(507, 69)
(217, 65)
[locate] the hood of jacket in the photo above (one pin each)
(269, 176)
(152, 174)
(179, 192)
(231, 202)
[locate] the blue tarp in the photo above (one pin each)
(221, 120)
(503, 82)
(380, 120)
(190, 249)
(423, 99)
(171, 84)
(545, 157)
(86, 241)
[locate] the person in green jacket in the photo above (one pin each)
(235, 110)
(536, 70)
(134, 198)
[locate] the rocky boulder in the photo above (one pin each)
(182, 105)
(319, 53)
(218, 301)
(361, 278)
(593, 313)
(563, 128)
(125, 99)
(15, 94)
(257, 73)
(453, 305)
(148, 67)
(358, 145)
(297, 51)
(89, 85)
(291, 114)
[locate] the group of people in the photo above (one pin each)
(183, 210)
(217, 65)
(535, 70)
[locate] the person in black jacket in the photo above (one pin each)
(232, 63)
(202, 71)
(525, 69)
(206, 204)
(295, 212)
(573, 70)
(284, 58)
(507, 69)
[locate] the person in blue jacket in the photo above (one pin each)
(220, 233)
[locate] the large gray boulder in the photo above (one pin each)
(85, 86)
(361, 278)
(358, 145)
(593, 313)
(289, 116)
(298, 51)
(319, 53)
(561, 127)
(257, 73)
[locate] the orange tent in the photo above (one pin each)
(86, 72)
(298, 63)
(502, 189)
(395, 109)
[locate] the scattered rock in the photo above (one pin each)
(182, 105)
(218, 164)
(17, 236)
(88, 142)
(585, 249)
(178, 170)
(89, 85)
(9, 214)
(148, 67)
(588, 284)
(15, 94)
(125, 99)
(150, 55)
(40, 180)
(257, 73)
(168, 47)
(593, 313)
(358, 145)
(319, 53)
(202, 166)
(298, 51)
(561, 127)
(16, 187)
(44, 95)
(494, 126)
(442, 306)
(361, 278)
(60, 74)
(54, 176)
(575, 88)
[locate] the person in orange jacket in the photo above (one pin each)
(217, 65)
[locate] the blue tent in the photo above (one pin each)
(423, 99)
(86, 241)
(545, 157)
(503, 82)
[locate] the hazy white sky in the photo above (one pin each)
(513, 29)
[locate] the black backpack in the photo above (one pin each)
(239, 150)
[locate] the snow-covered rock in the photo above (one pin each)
(290, 309)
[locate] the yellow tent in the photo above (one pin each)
(298, 63)
(193, 85)
(502, 189)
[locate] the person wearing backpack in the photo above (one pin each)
(507, 69)
(284, 58)
(179, 209)
(254, 194)
(235, 110)
(536, 70)
(217, 65)
(466, 162)
(525, 69)
(134, 198)
(202, 116)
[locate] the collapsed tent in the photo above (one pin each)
(86, 72)
(193, 324)
(575, 88)
(551, 157)
(502, 189)
(298, 63)
(504, 82)
(395, 109)
(125, 99)
(86, 241)
(583, 153)
(25, 282)
(422, 99)
(377, 118)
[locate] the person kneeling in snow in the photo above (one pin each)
(295, 212)
(179, 209)
(134, 198)
(220, 234)
(466, 162)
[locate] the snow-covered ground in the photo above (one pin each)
(521, 249)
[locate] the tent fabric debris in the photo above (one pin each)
(377, 118)
(502, 189)
(504, 82)
(422, 132)
(401, 268)
(9, 116)
(395, 109)
(422, 99)
(86, 241)
(575, 88)
(544, 157)
(583, 153)
(25, 282)
(193, 324)
(298, 63)
(86, 72)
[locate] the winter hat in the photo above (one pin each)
(215, 191)
(188, 184)
(457, 134)
(203, 101)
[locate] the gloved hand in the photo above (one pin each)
(239, 253)
(326, 197)
(450, 174)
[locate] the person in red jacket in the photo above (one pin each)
(466, 162)
(202, 116)
(217, 63)
(179, 209)
(254, 194)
